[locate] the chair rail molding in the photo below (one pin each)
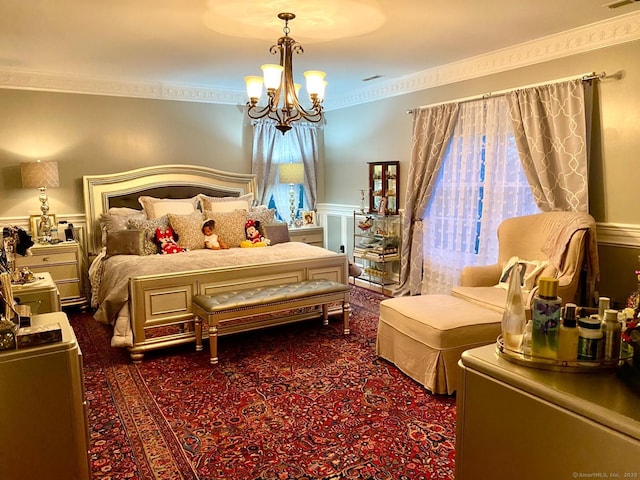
(618, 234)
(614, 234)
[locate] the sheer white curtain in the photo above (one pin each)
(271, 148)
(480, 183)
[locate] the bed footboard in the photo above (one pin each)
(161, 305)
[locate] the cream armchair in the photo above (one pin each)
(566, 240)
(424, 335)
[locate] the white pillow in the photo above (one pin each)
(158, 207)
(529, 272)
(226, 204)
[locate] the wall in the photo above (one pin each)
(384, 133)
(92, 134)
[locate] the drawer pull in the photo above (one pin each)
(45, 259)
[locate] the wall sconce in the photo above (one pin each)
(293, 174)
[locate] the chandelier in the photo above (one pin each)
(282, 92)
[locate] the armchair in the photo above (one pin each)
(566, 240)
(424, 335)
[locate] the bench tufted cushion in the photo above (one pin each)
(268, 294)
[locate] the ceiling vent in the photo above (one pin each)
(620, 3)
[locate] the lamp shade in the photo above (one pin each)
(291, 173)
(39, 174)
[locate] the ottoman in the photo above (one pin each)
(425, 335)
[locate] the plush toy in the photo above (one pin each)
(167, 240)
(253, 236)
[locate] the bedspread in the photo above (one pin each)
(111, 281)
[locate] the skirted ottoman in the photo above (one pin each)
(425, 335)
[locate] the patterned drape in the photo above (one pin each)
(432, 129)
(550, 128)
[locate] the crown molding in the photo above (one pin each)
(620, 29)
(93, 86)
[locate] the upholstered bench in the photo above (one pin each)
(425, 335)
(249, 309)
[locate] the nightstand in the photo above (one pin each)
(64, 262)
(41, 295)
(310, 235)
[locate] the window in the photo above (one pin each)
(481, 182)
(270, 149)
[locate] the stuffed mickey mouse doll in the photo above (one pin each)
(167, 241)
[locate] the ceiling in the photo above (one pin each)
(213, 44)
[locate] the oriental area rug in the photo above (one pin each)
(301, 401)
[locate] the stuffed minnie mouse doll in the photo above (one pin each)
(253, 236)
(167, 241)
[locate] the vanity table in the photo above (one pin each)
(516, 421)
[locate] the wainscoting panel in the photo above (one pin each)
(618, 249)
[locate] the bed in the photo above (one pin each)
(148, 298)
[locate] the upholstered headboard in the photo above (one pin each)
(102, 192)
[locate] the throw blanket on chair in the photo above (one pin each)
(558, 241)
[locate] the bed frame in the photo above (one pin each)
(160, 306)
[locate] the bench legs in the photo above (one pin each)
(346, 312)
(213, 338)
(213, 344)
(213, 329)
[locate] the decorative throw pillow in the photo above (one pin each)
(265, 216)
(149, 231)
(189, 229)
(530, 270)
(277, 233)
(113, 222)
(226, 204)
(125, 242)
(157, 207)
(229, 226)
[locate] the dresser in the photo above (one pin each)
(519, 422)
(64, 262)
(43, 425)
(310, 235)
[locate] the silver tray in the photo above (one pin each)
(626, 352)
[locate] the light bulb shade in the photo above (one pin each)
(254, 86)
(324, 88)
(272, 75)
(291, 173)
(315, 82)
(39, 174)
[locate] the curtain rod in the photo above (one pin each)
(585, 77)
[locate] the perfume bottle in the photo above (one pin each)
(568, 335)
(513, 317)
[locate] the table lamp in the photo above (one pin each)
(293, 174)
(41, 175)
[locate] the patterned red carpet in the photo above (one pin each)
(293, 402)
